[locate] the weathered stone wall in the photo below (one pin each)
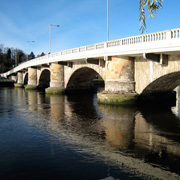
(120, 75)
(57, 75)
(32, 76)
(142, 74)
(152, 76)
(20, 78)
(14, 78)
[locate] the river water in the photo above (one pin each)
(49, 137)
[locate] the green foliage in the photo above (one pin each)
(98, 79)
(9, 54)
(42, 54)
(152, 6)
(20, 57)
(31, 56)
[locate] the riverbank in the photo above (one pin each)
(6, 83)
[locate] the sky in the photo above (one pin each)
(82, 22)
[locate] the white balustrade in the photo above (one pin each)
(159, 36)
(82, 49)
(135, 41)
(74, 50)
(175, 33)
(100, 46)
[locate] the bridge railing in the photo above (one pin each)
(146, 38)
(83, 49)
(159, 36)
(175, 33)
(163, 36)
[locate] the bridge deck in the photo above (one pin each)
(166, 42)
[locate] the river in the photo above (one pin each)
(50, 137)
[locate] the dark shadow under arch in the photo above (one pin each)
(26, 79)
(163, 84)
(44, 80)
(160, 92)
(82, 79)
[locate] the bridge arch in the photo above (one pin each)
(44, 79)
(25, 79)
(160, 91)
(164, 83)
(82, 78)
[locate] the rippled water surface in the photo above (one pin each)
(48, 137)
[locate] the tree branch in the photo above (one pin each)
(152, 6)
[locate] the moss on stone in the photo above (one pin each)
(117, 98)
(17, 85)
(53, 90)
(30, 87)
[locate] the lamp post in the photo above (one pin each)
(27, 48)
(50, 35)
(107, 20)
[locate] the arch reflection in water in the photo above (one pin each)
(157, 138)
(123, 130)
(112, 134)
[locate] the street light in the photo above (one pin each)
(50, 35)
(27, 48)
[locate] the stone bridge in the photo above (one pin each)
(142, 64)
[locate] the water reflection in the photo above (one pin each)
(57, 105)
(143, 142)
(138, 133)
(118, 124)
(157, 138)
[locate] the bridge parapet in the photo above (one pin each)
(159, 36)
(159, 42)
(147, 38)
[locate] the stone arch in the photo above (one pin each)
(70, 71)
(82, 78)
(164, 83)
(25, 80)
(44, 79)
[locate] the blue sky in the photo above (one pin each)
(82, 22)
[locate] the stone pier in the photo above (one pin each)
(13, 77)
(19, 83)
(57, 79)
(32, 79)
(119, 83)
